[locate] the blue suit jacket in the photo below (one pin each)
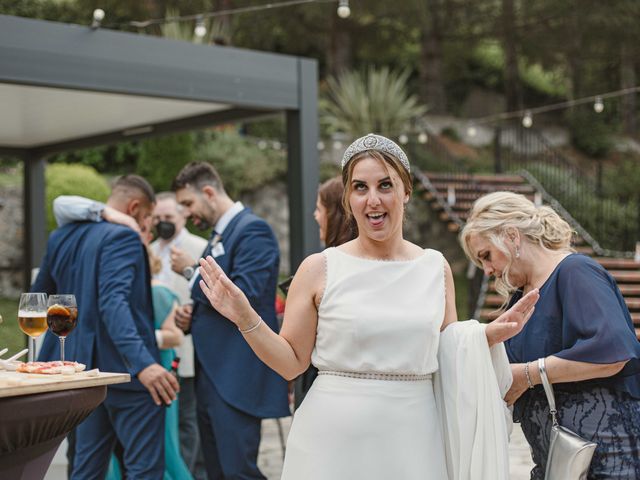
(251, 259)
(106, 267)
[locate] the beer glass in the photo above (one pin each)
(62, 317)
(32, 318)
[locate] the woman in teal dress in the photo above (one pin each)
(169, 336)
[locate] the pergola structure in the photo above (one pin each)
(66, 87)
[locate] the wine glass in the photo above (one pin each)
(62, 317)
(32, 318)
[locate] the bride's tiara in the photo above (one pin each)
(375, 142)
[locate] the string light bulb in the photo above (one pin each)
(320, 145)
(98, 16)
(201, 29)
(598, 105)
(343, 9)
(527, 120)
(472, 131)
(403, 139)
(423, 138)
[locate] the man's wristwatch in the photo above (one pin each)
(188, 272)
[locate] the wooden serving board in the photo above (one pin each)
(13, 383)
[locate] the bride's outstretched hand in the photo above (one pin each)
(223, 294)
(511, 322)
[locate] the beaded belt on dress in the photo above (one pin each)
(407, 377)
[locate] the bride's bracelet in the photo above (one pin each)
(526, 374)
(252, 328)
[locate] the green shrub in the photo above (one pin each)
(590, 134)
(160, 159)
(65, 179)
(451, 133)
(242, 165)
(613, 224)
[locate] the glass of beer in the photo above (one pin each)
(32, 318)
(62, 317)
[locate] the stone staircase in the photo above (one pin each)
(452, 195)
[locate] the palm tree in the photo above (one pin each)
(375, 101)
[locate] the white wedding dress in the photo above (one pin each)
(433, 409)
(380, 317)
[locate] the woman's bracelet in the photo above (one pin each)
(252, 328)
(526, 374)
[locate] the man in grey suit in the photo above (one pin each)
(176, 242)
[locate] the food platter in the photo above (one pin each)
(16, 383)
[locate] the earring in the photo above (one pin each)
(517, 252)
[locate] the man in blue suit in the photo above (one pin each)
(106, 267)
(234, 389)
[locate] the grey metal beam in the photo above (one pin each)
(12, 151)
(146, 131)
(35, 219)
(302, 173)
(35, 52)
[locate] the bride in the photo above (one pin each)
(404, 391)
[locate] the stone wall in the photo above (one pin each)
(11, 241)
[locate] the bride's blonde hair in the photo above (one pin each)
(494, 215)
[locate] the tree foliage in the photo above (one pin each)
(375, 101)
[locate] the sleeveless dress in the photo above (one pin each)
(371, 413)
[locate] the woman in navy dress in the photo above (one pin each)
(581, 326)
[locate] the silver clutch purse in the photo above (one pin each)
(569, 454)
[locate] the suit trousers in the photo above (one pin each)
(230, 438)
(136, 422)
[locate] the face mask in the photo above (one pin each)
(165, 230)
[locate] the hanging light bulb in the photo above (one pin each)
(472, 131)
(403, 139)
(337, 145)
(343, 9)
(201, 29)
(262, 144)
(423, 138)
(598, 105)
(527, 120)
(321, 145)
(276, 145)
(98, 16)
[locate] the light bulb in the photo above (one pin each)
(598, 106)
(262, 144)
(472, 131)
(527, 120)
(201, 29)
(276, 145)
(403, 139)
(337, 145)
(320, 145)
(98, 16)
(343, 9)
(423, 138)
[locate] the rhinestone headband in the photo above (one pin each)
(375, 142)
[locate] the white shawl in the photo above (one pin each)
(469, 386)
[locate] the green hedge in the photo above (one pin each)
(65, 179)
(242, 164)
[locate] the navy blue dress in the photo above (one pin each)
(582, 316)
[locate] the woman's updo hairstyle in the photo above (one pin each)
(494, 215)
